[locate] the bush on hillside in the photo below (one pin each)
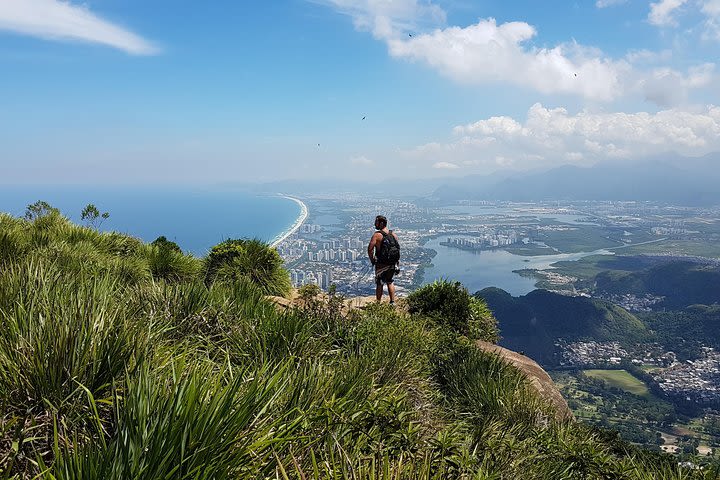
(164, 244)
(251, 259)
(168, 264)
(450, 304)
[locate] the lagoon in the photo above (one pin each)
(491, 268)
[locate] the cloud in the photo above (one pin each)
(387, 18)
(711, 10)
(661, 13)
(552, 136)
(445, 166)
(491, 53)
(362, 160)
(60, 20)
(666, 87)
(608, 3)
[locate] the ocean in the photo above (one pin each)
(196, 219)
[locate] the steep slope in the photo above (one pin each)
(533, 323)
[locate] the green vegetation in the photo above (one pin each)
(115, 365)
(685, 332)
(608, 403)
(449, 304)
(529, 250)
(234, 259)
(621, 379)
(163, 243)
(92, 216)
(692, 247)
(580, 238)
(533, 323)
(645, 420)
(681, 283)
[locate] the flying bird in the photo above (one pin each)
(363, 118)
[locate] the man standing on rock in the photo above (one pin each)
(384, 253)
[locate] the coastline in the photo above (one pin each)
(304, 212)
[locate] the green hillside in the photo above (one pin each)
(532, 323)
(681, 283)
(126, 360)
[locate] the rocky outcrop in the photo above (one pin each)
(349, 303)
(539, 380)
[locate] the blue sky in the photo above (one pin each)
(178, 92)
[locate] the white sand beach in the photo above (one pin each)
(304, 212)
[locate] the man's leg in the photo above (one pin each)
(391, 292)
(378, 291)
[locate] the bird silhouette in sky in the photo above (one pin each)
(363, 118)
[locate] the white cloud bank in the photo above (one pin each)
(60, 20)
(551, 137)
(664, 13)
(488, 52)
(661, 13)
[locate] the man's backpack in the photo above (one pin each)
(389, 253)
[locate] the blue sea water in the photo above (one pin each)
(196, 219)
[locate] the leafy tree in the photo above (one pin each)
(39, 209)
(92, 216)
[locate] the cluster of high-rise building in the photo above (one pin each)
(310, 228)
(321, 278)
(485, 241)
(333, 255)
(343, 250)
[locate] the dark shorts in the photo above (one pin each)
(386, 276)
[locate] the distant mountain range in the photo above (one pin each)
(667, 178)
(670, 178)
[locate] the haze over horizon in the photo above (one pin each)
(168, 92)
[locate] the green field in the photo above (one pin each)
(675, 247)
(620, 379)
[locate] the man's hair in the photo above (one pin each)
(381, 220)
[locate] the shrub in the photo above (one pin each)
(163, 243)
(169, 264)
(449, 304)
(251, 259)
(308, 292)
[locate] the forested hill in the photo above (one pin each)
(534, 322)
(682, 283)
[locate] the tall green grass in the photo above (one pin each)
(189, 423)
(120, 360)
